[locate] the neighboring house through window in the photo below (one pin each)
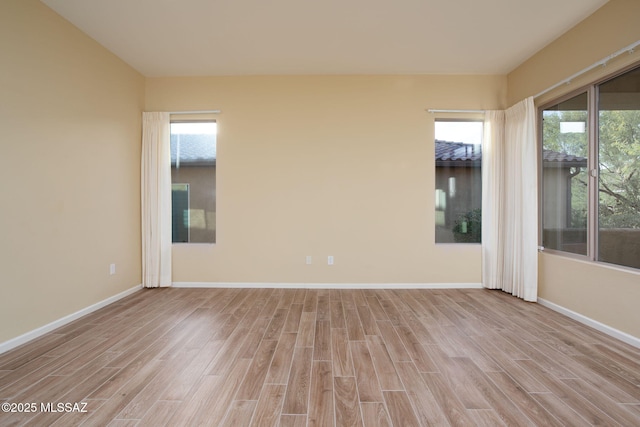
(458, 159)
(193, 181)
(458, 196)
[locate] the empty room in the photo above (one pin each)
(350, 213)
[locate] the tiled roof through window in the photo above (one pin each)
(457, 151)
(447, 151)
(554, 156)
(194, 149)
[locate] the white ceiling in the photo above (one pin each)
(239, 37)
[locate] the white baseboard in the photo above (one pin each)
(615, 333)
(31, 335)
(327, 285)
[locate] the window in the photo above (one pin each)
(618, 239)
(458, 195)
(193, 181)
(565, 175)
(591, 172)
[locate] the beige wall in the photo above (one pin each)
(612, 27)
(605, 294)
(326, 165)
(70, 116)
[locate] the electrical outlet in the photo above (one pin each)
(112, 269)
(308, 260)
(330, 260)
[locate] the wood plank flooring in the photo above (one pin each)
(296, 357)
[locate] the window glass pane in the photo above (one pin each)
(458, 195)
(565, 176)
(619, 170)
(193, 178)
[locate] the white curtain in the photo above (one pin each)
(156, 200)
(510, 201)
(492, 200)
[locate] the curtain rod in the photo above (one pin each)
(602, 62)
(196, 112)
(432, 110)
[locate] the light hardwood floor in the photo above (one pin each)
(288, 357)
